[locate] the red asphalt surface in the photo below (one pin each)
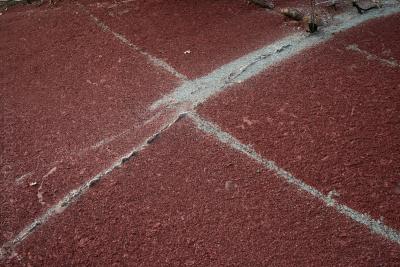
(381, 38)
(74, 99)
(197, 37)
(164, 208)
(211, 33)
(330, 116)
(66, 87)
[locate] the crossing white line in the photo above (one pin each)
(375, 226)
(199, 90)
(191, 93)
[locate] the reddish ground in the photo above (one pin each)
(215, 32)
(380, 37)
(329, 116)
(164, 208)
(66, 87)
(74, 99)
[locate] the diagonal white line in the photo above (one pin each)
(191, 93)
(375, 226)
(152, 59)
(76, 193)
(199, 90)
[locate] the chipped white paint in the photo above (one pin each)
(21, 178)
(388, 62)
(39, 192)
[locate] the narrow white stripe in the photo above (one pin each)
(197, 91)
(243, 68)
(152, 59)
(76, 193)
(375, 226)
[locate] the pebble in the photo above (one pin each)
(229, 185)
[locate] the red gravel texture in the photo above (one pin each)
(188, 201)
(74, 99)
(380, 37)
(331, 117)
(215, 32)
(66, 87)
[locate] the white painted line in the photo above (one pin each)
(194, 92)
(80, 152)
(199, 90)
(154, 60)
(369, 56)
(76, 193)
(376, 226)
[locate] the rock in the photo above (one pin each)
(293, 13)
(230, 185)
(263, 3)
